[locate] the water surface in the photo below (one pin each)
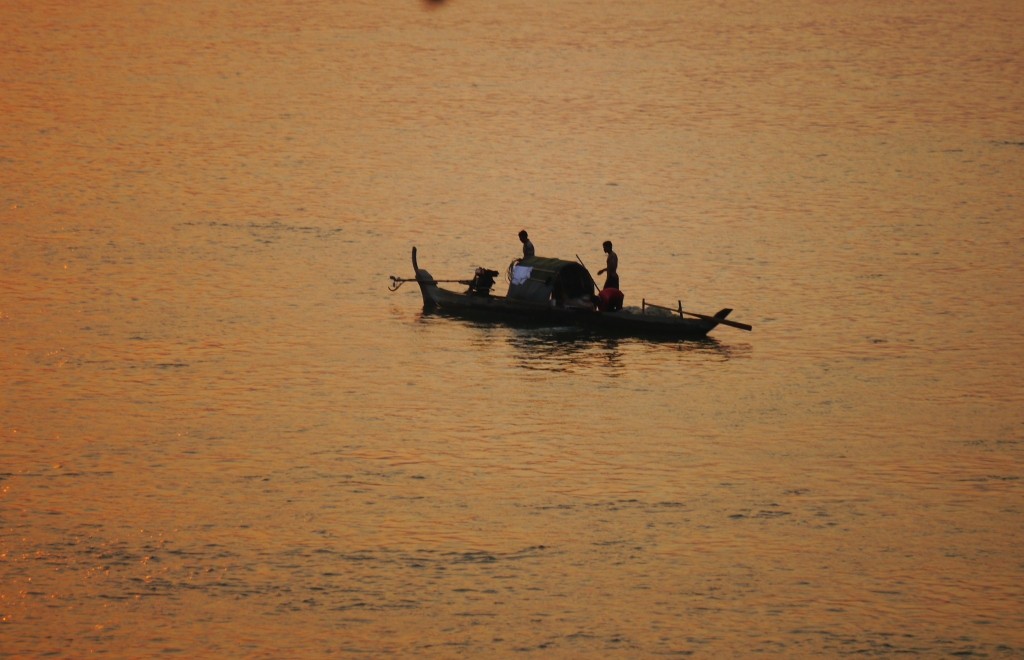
(222, 435)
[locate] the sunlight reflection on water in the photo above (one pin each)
(222, 434)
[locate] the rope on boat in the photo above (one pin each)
(511, 267)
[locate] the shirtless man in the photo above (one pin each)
(611, 281)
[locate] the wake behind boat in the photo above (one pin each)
(558, 292)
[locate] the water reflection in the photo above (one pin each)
(572, 349)
(567, 350)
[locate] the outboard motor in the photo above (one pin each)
(483, 281)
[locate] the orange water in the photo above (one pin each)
(221, 435)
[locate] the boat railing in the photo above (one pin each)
(716, 319)
(675, 310)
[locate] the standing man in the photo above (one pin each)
(527, 245)
(611, 281)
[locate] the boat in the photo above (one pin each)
(558, 292)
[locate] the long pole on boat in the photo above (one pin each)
(397, 282)
(588, 273)
(413, 279)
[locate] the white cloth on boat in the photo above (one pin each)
(520, 274)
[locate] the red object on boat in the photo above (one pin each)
(610, 300)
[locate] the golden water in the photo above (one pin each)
(221, 435)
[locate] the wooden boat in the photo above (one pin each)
(558, 292)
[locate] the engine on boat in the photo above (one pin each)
(483, 281)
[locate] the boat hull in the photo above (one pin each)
(628, 322)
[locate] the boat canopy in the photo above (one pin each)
(541, 279)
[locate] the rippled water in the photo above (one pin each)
(221, 435)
